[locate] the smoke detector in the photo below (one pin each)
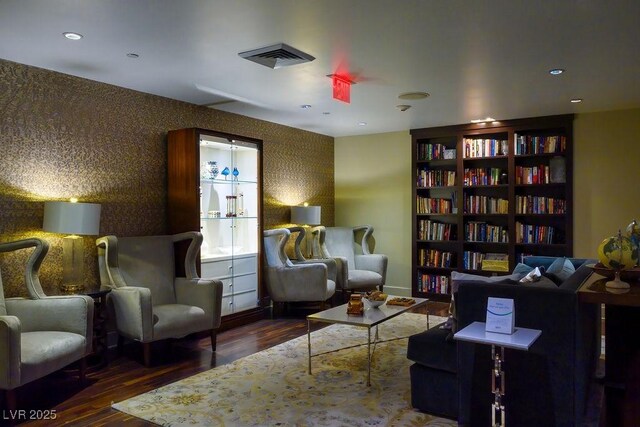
(277, 56)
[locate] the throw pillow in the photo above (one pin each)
(522, 269)
(562, 268)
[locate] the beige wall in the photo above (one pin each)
(606, 176)
(63, 136)
(373, 186)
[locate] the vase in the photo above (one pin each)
(213, 169)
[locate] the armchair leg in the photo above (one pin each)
(214, 334)
(146, 350)
(82, 371)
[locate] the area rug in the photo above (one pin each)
(273, 387)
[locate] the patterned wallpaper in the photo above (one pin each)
(63, 136)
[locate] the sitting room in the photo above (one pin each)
(267, 213)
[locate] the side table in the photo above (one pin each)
(98, 358)
(521, 339)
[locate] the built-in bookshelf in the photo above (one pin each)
(494, 191)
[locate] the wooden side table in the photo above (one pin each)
(521, 339)
(98, 358)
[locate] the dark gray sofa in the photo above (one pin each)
(548, 385)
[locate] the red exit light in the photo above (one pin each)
(341, 88)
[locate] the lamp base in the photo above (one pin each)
(72, 288)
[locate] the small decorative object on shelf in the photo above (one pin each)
(213, 169)
(616, 253)
(505, 147)
(235, 173)
(355, 306)
(231, 206)
(558, 169)
(240, 204)
(225, 172)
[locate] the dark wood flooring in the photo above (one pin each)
(125, 376)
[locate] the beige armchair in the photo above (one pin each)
(304, 281)
(41, 334)
(149, 302)
(357, 268)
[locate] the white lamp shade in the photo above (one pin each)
(306, 215)
(72, 218)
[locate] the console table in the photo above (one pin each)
(521, 339)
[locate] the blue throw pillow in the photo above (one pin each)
(523, 269)
(561, 268)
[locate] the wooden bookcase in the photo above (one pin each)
(503, 188)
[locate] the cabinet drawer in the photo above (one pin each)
(248, 282)
(245, 265)
(216, 269)
(227, 286)
(245, 301)
(227, 305)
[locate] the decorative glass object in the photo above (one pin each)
(213, 170)
(231, 206)
(225, 172)
(235, 173)
(504, 145)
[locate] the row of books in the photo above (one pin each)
(433, 205)
(474, 148)
(530, 144)
(485, 205)
(540, 205)
(433, 283)
(533, 175)
(436, 178)
(477, 231)
(434, 258)
(472, 260)
(534, 233)
(435, 152)
(482, 176)
(433, 230)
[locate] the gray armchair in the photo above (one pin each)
(149, 302)
(304, 281)
(40, 334)
(357, 269)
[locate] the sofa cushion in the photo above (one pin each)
(542, 282)
(432, 349)
(560, 269)
(522, 268)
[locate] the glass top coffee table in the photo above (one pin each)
(370, 318)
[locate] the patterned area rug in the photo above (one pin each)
(273, 388)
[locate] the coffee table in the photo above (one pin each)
(371, 317)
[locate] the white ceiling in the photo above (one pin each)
(475, 58)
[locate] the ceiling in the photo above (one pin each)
(475, 58)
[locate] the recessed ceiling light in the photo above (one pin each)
(556, 71)
(72, 36)
(576, 100)
(413, 95)
(305, 106)
(485, 120)
(133, 55)
(362, 123)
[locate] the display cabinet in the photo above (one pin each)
(215, 187)
(485, 195)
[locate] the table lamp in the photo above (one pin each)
(75, 219)
(306, 215)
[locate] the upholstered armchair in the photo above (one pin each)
(357, 269)
(40, 334)
(148, 301)
(304, 281)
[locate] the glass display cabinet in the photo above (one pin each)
(215, 187)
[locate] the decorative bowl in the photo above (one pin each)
(375, 303)
(629, 275)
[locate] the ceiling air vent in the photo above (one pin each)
(277, 56)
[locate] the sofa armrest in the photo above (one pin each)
(10, 352)
(203, 293)
(133, 312)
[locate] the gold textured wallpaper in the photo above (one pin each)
(63, 136)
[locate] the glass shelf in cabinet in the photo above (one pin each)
(207, 218)
(228, 181)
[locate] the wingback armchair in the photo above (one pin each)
(304, 281)
(40, 334)
(357, 269)
(149, 302)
